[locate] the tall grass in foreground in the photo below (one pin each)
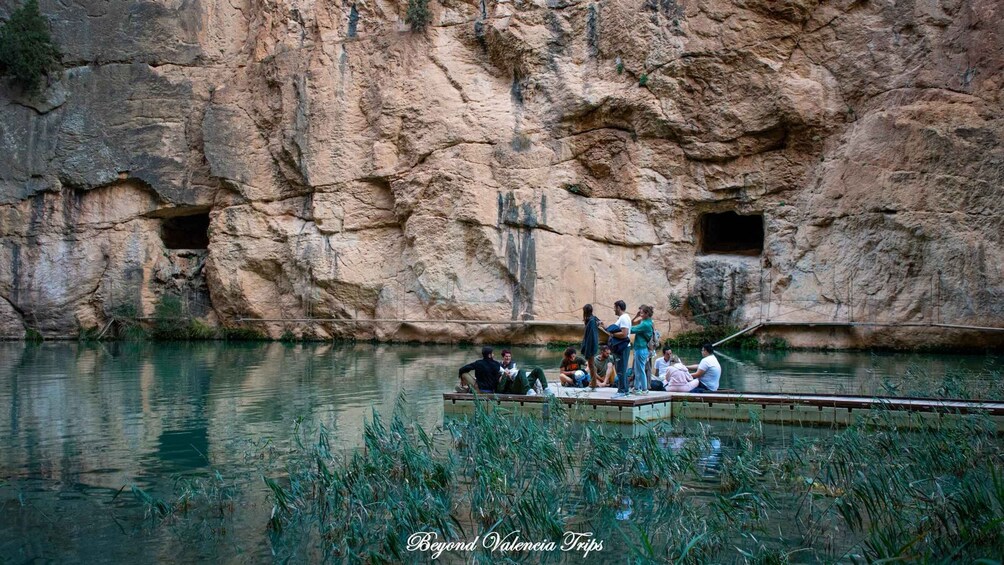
(676, 494)
(868, 493)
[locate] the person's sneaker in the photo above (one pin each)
(462, 389)
(537, 387)
(620, 395)
(643, 392)
(531, 392)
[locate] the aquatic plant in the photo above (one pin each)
(32, 335)
(676, 493)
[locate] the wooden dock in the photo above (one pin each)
(799, 409)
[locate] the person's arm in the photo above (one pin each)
(622, 332)
(465, 369)
(698, 374)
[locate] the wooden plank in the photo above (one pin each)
(840, 403)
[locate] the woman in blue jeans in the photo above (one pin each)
(642, 333)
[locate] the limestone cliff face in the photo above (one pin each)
(513, 162)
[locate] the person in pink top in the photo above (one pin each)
(678, 378)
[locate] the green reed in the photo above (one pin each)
(678, 493)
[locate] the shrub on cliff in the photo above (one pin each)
(27, 52)
(418, 15)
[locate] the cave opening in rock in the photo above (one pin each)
(185, 232)
(731, 233)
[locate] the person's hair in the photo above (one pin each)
(647, 309)
(506, 352)
(708, 347)
(664, 349)
(604, 346)
(486, 351)
(674, 359)
(587, 310)
(570, 351)
(620, 304)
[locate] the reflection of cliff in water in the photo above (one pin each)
(82, 412)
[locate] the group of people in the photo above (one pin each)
(503, 378)
(602, 365)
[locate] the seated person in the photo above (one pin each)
(605, 367)
(486, 373)
(573, 370)
(678, 378)
(662, 363)
(515, 381)
(709, 371)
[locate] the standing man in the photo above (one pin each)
(643, 333)
(486, 373)
(619, 339)
(709, 370)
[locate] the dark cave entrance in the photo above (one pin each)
(186, 232)
(731, 233)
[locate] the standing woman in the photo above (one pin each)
(590, 340)
(642, 333)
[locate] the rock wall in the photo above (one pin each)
(514, 161)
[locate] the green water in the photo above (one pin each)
(78, 422)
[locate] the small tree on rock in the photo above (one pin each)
(27, 52)
(418, 15)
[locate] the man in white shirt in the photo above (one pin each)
(662, 363)
(709, 371)
(621, 351)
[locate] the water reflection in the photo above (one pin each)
(80, 421)
(68, 409)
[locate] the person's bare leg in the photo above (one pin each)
(566, 381)
(470, 381)
(611, 375)
(592, 372)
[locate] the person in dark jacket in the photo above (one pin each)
(486, 373)
(590, 339)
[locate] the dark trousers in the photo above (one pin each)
(621, 364)
(521, 383)
(701, 388)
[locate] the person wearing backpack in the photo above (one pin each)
(643, 333)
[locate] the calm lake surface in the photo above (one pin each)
(78, 422)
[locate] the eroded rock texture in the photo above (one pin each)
(513, 162)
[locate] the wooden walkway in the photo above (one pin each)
(808, 409)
